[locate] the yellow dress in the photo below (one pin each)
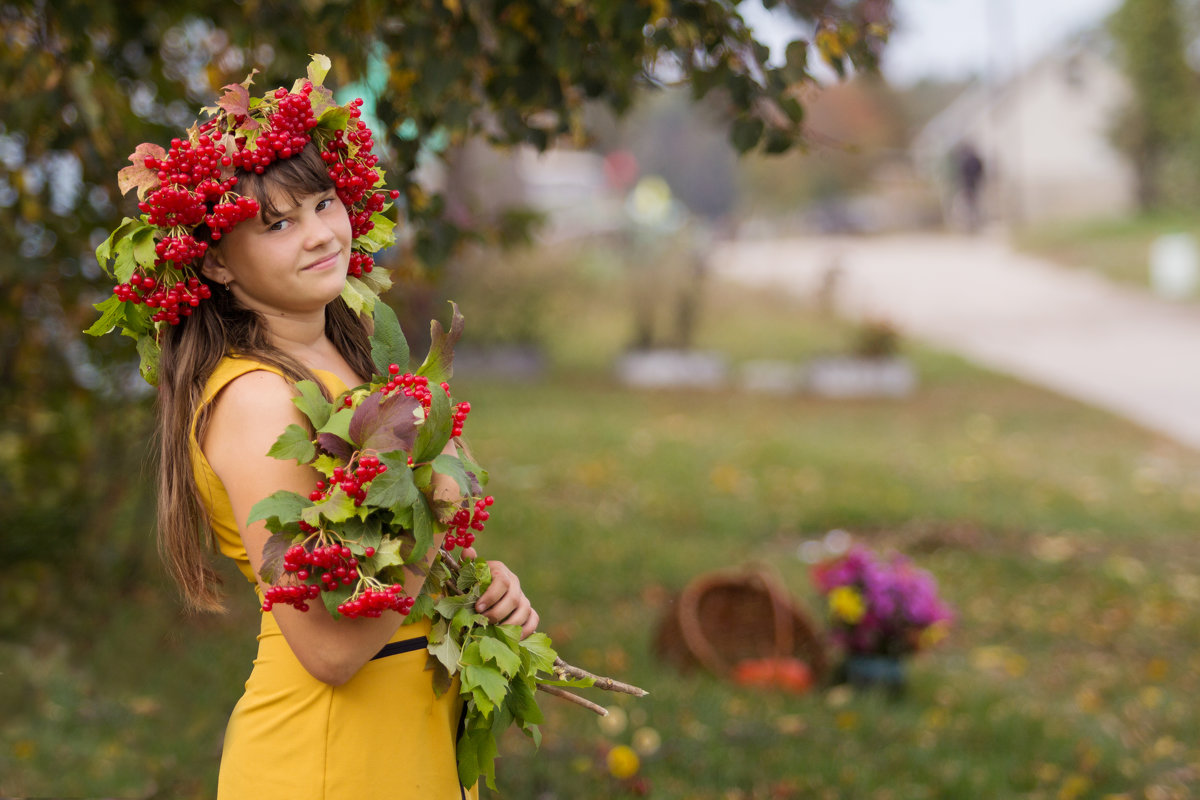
(381, 734)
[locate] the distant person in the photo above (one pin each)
(969, 174)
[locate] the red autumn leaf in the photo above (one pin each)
(385, 424)
(137, 175)
(236, 99)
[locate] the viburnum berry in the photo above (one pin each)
(466, 520)
(416, 386)
(373, 602)
(460, 416)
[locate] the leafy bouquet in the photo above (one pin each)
(374, 514)
(881, 607)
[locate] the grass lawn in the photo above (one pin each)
(1063, 537)
(1118, 249)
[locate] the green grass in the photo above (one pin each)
(1118, 249)
(1064, 538)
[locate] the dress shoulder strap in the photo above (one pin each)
(229, 368)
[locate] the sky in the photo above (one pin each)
(955, 39)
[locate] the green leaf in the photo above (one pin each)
(447, 607)
(112, 312)
(334, 117)
(312, 403)
(467, 756)
(104, 253)
(434, 433)
(353, 297)
(338, 507)
(143, 247)
(522, 702)
(439, 363)
(452, 467)
(293, 443)
(422, 528)
(402, 517)
(540, 651)
(392, 488)
(484, 743)
(359, 534)
(334, 435)
(325, 465)
(388, 345)
(745, 133)
(486, 681)
(318, 68)
(509, 633)
(388, 553)
(335, 598)
(380, 236)
(481, 474)
(422, 609)
(280, 509)
(125, 263)
(443, 647)
(442, 679)
(463, 618)
(149, 354)
(471, 653)
(496, 650)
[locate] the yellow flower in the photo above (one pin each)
(847, 604)
(623, 762)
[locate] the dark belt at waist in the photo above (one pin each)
(405, 646)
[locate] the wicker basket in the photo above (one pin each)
(723, 618)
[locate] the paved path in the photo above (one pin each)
(1111, 346)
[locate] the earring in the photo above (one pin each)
(227, 285)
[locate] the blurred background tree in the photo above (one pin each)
(1161, 123)
(82, 83)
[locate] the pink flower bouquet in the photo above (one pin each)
(881, 607)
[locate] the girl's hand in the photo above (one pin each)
(504, 603)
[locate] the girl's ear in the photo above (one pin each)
(212, 268)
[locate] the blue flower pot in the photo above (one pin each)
(871, 671)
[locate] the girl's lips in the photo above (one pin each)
(328, 261)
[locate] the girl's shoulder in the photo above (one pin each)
(231, 368)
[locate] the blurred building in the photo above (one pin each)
(1043, 138)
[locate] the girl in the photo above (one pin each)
(333, 708)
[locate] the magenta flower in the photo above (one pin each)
(901, 602)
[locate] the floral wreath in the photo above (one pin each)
(188, 199)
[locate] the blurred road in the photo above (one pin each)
(1114, 347)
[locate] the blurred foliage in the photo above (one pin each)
(1161, 122)
(82, 83)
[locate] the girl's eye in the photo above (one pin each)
(324, 204)
(277, 226)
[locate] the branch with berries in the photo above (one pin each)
(373, 517)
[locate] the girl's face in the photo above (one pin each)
(290, 263)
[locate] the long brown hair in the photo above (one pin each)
(191, 351)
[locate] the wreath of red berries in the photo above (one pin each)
(188, 199)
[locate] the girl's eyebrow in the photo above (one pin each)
(282, 211)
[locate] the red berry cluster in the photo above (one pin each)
(460, 416)
(296, 595)
(352, 169)
(408, 385)
(351, 480)
(288, 132)
(173, 301)
(361, 263)
(465, 521)
(373, 602)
